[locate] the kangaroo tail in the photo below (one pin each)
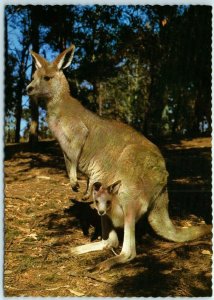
(159, 220)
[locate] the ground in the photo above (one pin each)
(39, 234)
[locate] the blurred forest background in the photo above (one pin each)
(149, 66)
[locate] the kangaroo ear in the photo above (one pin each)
(64, 59)
(38, 60)
(96, 186)
(114, 188)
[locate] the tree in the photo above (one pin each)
(16, 62)
(34, 12)
(138, 64)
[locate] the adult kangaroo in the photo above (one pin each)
(108, 151)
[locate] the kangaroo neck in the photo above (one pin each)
(58, 102)
(66, 106)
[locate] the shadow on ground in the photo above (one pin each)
(39, 234)
(189, 183)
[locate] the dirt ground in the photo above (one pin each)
(39, 234)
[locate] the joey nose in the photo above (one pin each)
(29, 89)
(101, 212)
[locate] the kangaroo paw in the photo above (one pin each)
(75, 187)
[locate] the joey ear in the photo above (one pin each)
(96, 186)
(64, 59)
(38, 60)
(74, 201)
(114, 188)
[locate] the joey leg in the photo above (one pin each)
(109, 240)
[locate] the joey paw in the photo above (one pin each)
(74, 251)
(86, 197)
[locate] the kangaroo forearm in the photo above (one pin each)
(72, 148)
(71, 167)
(67, 164)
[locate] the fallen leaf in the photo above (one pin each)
(75, 293)
(43, 177)
(33, 236)
(206, 252)
(7, 272)
(208, 274)
(165, 272)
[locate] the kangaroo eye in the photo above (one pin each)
(47, 78)
(96, 201)
(108, 202)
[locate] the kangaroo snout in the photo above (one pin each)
(101, 212)
(29, 89)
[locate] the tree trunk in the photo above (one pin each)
(33, 136)
(34, 108)
(100, 99)
(18, 116)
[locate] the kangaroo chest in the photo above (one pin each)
(58, 132)
(116, 215)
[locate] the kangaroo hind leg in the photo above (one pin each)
(128, 249)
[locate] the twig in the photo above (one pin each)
(49, 249)
(8, 247)
(179, 245)
(47, 289)
(18, 197)
(20, 289)
(112, 249)
(87, 275)
(68, 288)
(18, 250)
(43, 177)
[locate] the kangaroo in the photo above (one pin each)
(108, 151)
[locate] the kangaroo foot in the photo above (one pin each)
(113, 261)
(75, 187)
(106, 265)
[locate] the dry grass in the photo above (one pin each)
(38, 236)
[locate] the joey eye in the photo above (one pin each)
(47, 78)
(108, 202)
(96, 201)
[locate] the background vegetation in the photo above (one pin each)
(149, 66)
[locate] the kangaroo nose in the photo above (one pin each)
(101, 212)
(29, 89)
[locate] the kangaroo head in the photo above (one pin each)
(49, 81)
(103, 196)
